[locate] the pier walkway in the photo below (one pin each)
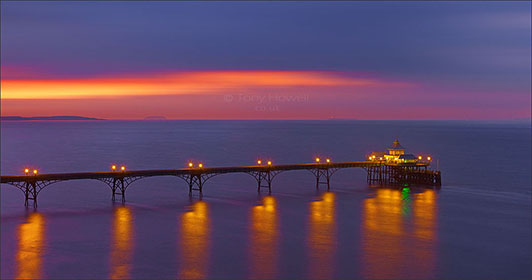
(379, 172)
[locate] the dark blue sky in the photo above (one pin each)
(457, 46)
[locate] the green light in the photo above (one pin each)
(405, 196)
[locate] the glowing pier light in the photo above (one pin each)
(113, 167)
(317, 159)
(190, 164)
(269, 162)
(26, 171)
(35, 171)
(428, 158)
(328, 160)
(259, 162)
(200, 165)
(419, 157)
(370, 158)
(123, 168)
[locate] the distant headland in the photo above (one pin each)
(155, 118)
(50, 118)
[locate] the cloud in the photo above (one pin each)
(184, 82)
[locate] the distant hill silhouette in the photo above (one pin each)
(155, 118)
(51, 118)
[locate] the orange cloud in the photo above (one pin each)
(177, 83)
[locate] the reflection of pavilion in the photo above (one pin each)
(397, 242)
(195, 243)
(122, 244)
(31, 237)
(322, 237)
(264, 240)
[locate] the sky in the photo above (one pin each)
(267, 60)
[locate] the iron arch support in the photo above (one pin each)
(323, 173)
(264, 176)
(19, 185)
(32, 188)
(196, 181)
(119, 185)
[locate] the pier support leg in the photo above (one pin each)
(195, 180)
(30, 193)
(262, 176)
(118, 188)
(325, 173)
(371, 176)
(200, 184)
(269, 182)
(26, 193)
(34, 189)
(328, 179)
(123, 190)
(113, 189)
(190, 184)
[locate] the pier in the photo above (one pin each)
(395, 169)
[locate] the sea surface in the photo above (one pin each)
(478, 225)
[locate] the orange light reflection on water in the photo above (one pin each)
(382, 234)
(264, 235)
(195, 230)
(322, 237)
(425, 224)
(122, 244)
(394, 243)
(31, 238)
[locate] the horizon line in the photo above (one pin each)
(258, 119)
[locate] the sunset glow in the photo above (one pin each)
(176, 83)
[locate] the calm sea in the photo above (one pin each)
(478, 225)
